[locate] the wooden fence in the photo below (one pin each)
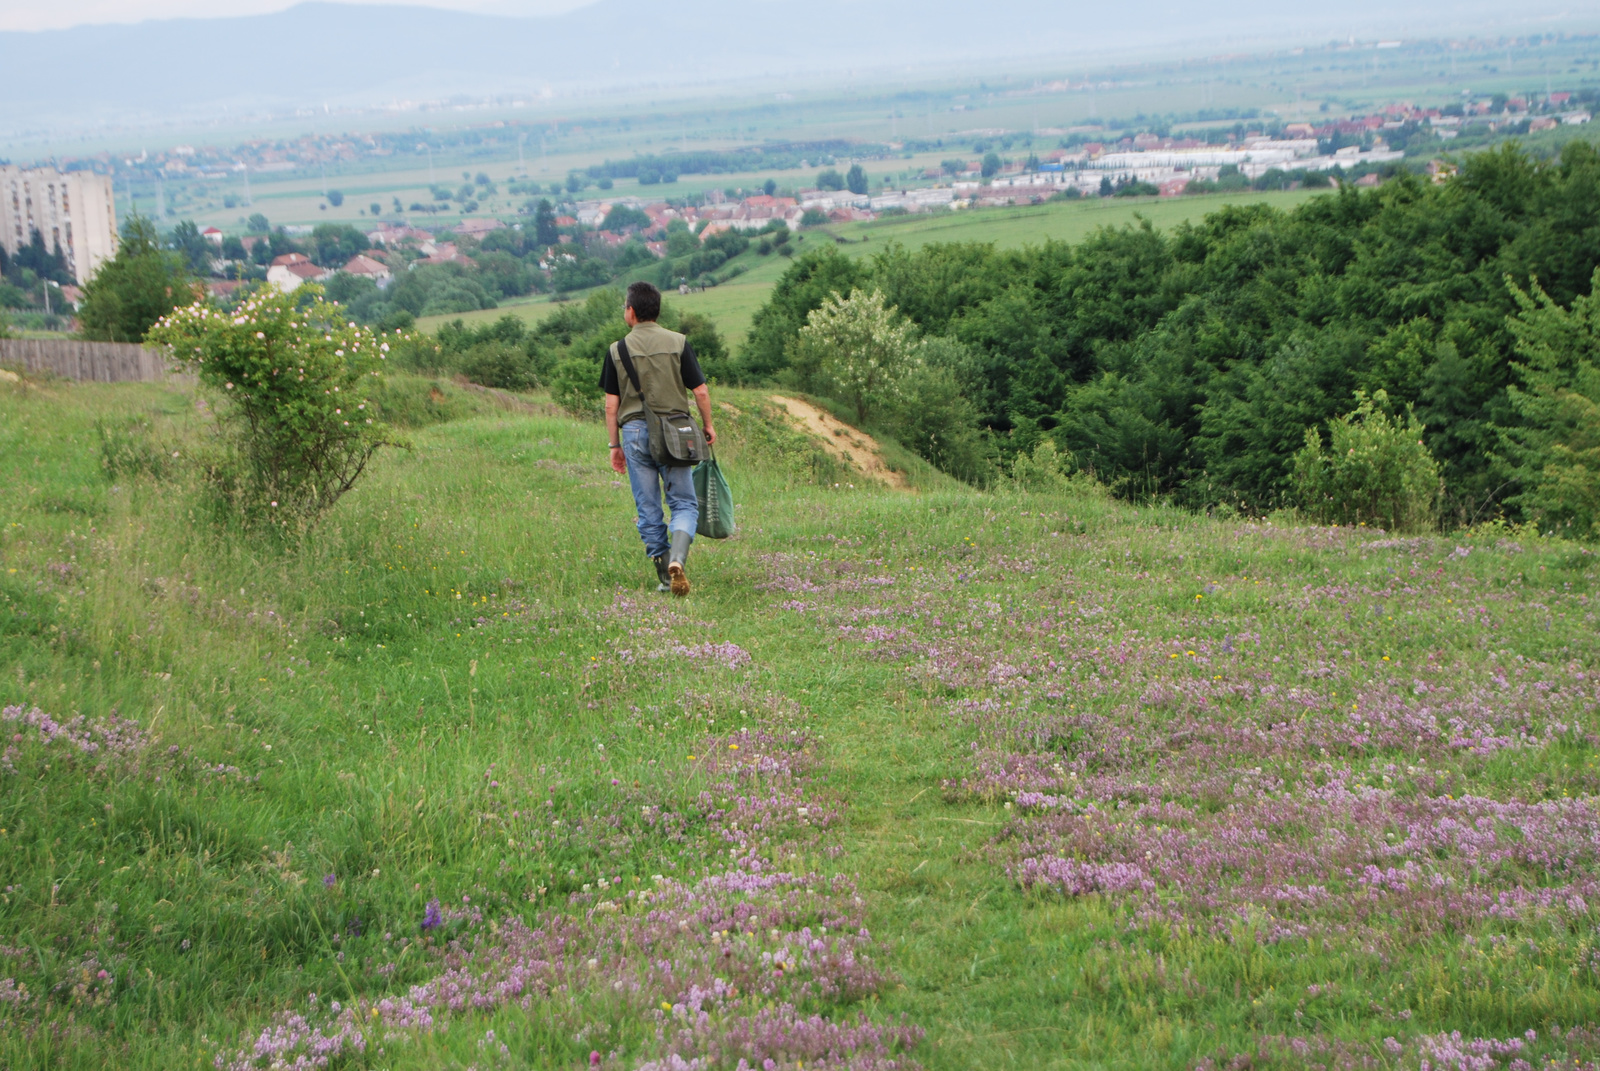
(101, 362)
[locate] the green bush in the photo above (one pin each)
(421, 354)
(1376, 471)
(936, 419)
(1048, 469)
(293, 379)
(709, 348)
(499, 364)
(575, 387)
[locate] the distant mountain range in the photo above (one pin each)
(333, 54)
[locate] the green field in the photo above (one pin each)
(1066, 221)
(734, 303)
(1012, 779)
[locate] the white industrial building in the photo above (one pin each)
(1162, 166)
(73, 211)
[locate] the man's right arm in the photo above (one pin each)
(619, 462)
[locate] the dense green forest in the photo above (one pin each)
(1190, 364)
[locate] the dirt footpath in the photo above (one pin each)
(851, 445)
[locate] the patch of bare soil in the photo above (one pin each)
(849, 444)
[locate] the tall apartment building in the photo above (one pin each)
(74, 211)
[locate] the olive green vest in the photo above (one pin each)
(657, 356)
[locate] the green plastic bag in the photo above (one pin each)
(716, 500)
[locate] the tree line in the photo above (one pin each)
(1190, 364)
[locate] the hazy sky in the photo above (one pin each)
(59, 14)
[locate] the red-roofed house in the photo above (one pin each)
(212, 235)
(367, 268)
(443, 253)
(291, 269)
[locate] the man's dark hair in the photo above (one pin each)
(644, 300)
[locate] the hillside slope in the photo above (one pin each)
(952, 780)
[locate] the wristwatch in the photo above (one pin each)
(616, 446)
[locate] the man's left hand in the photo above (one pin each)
(711, 434)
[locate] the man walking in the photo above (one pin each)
(668, 373)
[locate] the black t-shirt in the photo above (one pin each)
(689, 368)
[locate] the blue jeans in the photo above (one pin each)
(649, 480)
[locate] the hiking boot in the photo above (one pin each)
(663, 578)
(680, 555)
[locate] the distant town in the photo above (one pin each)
(57, 224)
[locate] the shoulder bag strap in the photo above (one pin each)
(627, 366)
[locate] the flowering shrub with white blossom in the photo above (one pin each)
(295, 374)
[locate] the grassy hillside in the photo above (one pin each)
(734, 303)
(1057, 781)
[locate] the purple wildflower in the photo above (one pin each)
(432, 918)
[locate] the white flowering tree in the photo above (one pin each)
(859, 349)
(294, 376)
